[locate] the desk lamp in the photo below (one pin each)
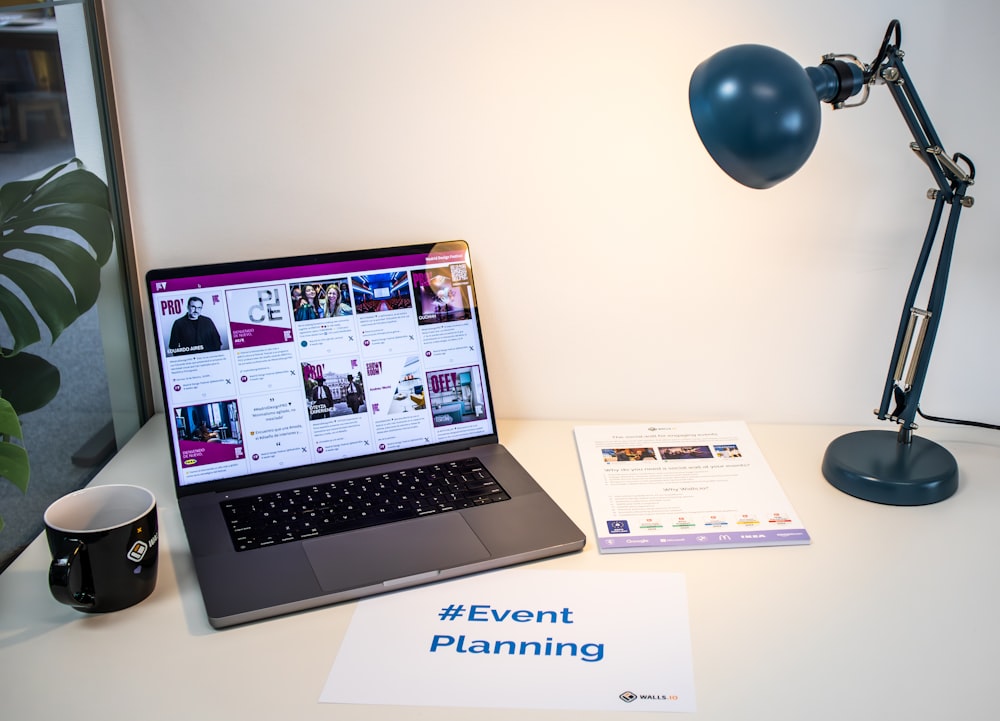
(757, 112)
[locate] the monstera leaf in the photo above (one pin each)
(13, 458)
(56, 233)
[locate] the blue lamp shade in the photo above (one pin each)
(757, 112)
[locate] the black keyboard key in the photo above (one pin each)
(351, 504)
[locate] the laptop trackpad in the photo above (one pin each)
(371, 556)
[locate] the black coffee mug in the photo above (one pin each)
(103, 541)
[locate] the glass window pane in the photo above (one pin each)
(53, 109)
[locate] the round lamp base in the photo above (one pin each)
(875, 466)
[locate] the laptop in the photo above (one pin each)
(331, 430)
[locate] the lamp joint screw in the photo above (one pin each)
(891, 75)
(967, 201)
(932, 194)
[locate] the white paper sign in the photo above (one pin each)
(523, 638)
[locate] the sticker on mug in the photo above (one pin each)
(137, 551)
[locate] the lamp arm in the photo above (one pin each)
(918, 327)
(926, 143)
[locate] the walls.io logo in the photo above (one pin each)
(629, 697)
(137, 551)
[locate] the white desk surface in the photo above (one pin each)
(889, 613)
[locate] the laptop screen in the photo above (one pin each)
(278, 364)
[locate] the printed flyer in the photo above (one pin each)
(662, 487)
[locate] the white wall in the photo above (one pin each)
(625, 277)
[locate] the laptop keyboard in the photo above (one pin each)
(349, 504)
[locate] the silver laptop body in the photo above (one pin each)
(290, 383)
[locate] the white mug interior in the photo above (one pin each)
(99, 508)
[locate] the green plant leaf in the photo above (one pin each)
(76, 265)
(13, 458)
(10, 425)
(28, 382)
(22, 323)
(46, 292)
(74, 186)
(90, 222)
(56, 232)
(64, 217)
(14, 464)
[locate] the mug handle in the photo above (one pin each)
(64, 571)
